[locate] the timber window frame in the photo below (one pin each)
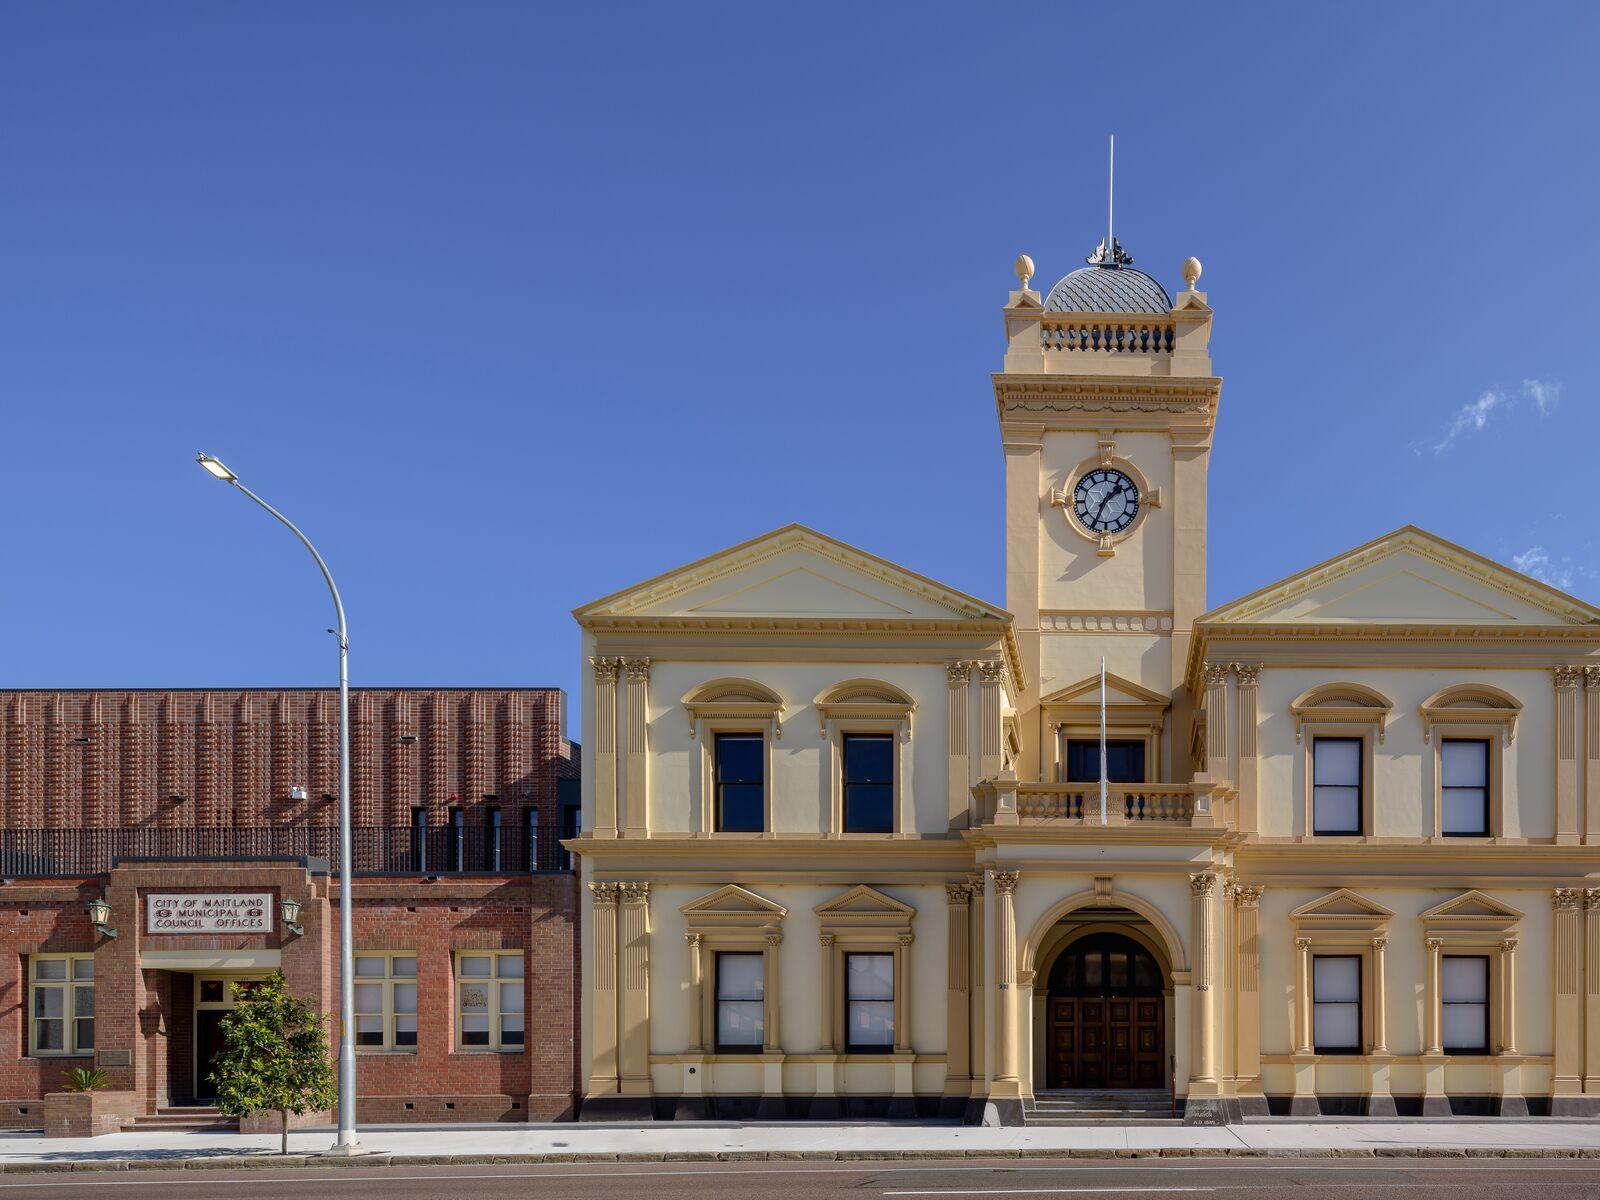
(1452, 979)
(1342, 923)
(1330, 786)
(1337, 711)
(865, 971)
(1450, 759)
(69, 980)
(382, 1003)
(737, 990)
(490, 1002)
(1331, 997)
(864, 920)
(867, 708)
(731, 920)
(736, 707)
(1473, 924)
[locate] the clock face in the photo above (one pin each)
(1105, 501)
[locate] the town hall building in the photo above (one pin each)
(845, 850)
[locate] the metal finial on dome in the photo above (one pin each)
(1024, 269)
(1116, 256)
(1191, 271)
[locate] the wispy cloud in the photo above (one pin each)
(1536, 561)
(1542, 395)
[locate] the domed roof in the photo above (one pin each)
(1108, 284)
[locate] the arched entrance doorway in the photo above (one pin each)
(1105, 1015)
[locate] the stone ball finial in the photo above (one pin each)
(1024, 269)
(1191, 271)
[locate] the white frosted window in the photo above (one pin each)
(869, 1000)
(1464, 787)
(489, 1001)
(386, 1010)
(1464, 1004)
(1336, 785)
(741, 992)
(1336, 1007)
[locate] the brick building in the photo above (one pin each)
(203, 817)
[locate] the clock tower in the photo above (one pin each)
(1106, 403)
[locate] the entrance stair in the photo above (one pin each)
(170, 1120)
(1089, 1106)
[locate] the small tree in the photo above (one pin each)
(274, 1056)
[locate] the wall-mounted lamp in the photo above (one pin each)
(298, 792)
(289, 910)
(100, 917)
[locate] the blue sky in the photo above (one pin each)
(511, 305)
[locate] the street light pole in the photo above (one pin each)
(346, 1143)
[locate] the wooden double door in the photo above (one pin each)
(1105, 1016)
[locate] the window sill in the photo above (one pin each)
(55, 1055)
(385, 1051)
(474, 1051)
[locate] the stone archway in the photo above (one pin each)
(1102, 968)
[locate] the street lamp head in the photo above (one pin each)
(216, 468)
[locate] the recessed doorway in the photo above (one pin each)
(1105, 1015)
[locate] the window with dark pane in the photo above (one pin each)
(1464, 787)
(868, 783)
(1124, 761)
(740, 782)
(1336, 785)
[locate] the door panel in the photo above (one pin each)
(1114, 1039)
(208, 1041)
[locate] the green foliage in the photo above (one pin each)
(275, 1054)
(85, 1079)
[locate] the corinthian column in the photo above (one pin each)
(1005, 883)
(1216, 702)
(1591, 755)
(605, 747)
(1247, 1028)
(1248, 674)
(958, 1007)
(1203, 887)
(1567, 680)
(959, 678)
(1568, 962)
(637, 821)
(603, 994)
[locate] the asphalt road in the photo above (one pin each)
(1487, 1179)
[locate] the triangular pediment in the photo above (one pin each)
(1409, 577)
(1342, 906)
(1118, 691)
(792, 573)
(862, 899)
(1474, 906)
(734, 899)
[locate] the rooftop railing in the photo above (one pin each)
(375, 850)
(1080, 334)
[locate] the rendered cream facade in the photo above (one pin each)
(998, 872)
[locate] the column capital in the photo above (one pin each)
(1591, 898)
(605, 669)
(958, 895)
(1248, 895)
(1566, 899)
(1591, 676)
(826, 939)
(1569, 676)
(774, 940)
(1433, 944)
(1507, 945)
(695, 940)
(905, 939)
(634, 893)
(992, 670)
(1380, 944)
(1302, 944)
(958, 672)
(1215, 674)
(638, 669)
(603, 893)
(1203, 883)
(1248, 673)
(1005, 882)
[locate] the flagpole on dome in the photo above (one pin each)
(1103, 773)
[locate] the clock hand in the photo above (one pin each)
(1109, 497)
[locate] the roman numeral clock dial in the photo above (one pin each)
(1105, 501)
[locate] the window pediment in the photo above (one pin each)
(864, 700)
(1472, 704)
(734, 700)
(864, 908)
(732, 907)
(1342, 911)
(1472, 912)
(1342, 704)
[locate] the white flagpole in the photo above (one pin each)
(1103, 772)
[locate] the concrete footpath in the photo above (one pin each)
(727, 1141)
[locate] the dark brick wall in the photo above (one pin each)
(212, 758)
